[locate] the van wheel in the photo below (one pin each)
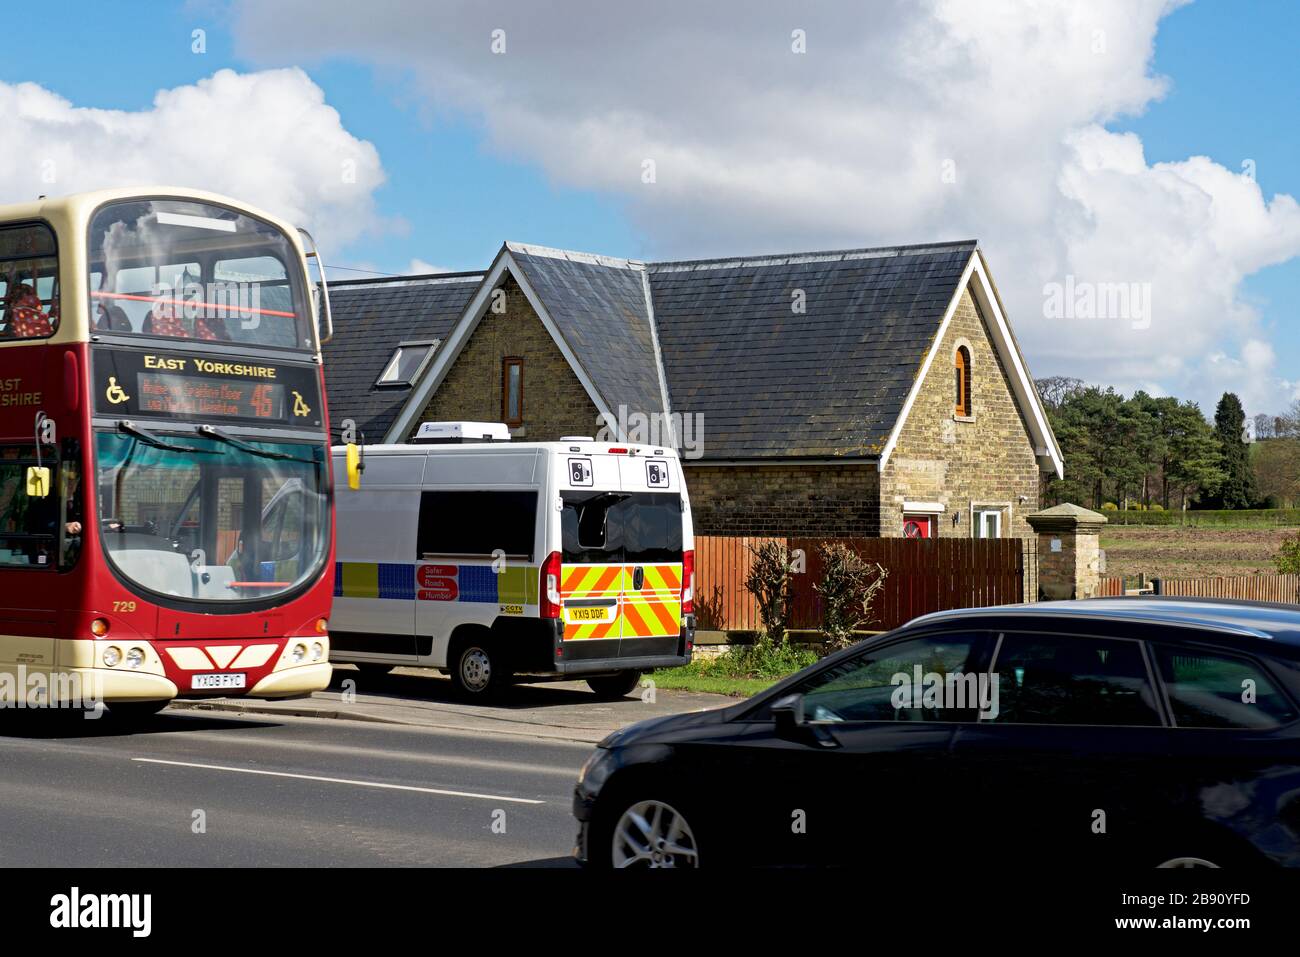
(477, 671)
(613, 687)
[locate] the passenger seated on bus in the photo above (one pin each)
(211, 328)
(26, 319)
(163, 321)
(109, 318)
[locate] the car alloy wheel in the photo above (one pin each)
(1187, 862)
(654, 834)
(475, 669)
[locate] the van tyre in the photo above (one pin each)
(613, 687)
(477, 671)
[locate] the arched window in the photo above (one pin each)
(962, 377)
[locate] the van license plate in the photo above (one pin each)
(218, 681)
(593, 613)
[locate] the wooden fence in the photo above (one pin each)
(924, 576)
(1285, 588)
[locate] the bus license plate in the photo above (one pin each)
(218, 680)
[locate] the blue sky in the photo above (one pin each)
(1231, 67)
(459, 200)
(1234, 74)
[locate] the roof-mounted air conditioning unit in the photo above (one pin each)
(447, 433)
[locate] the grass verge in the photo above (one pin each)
(741, 671)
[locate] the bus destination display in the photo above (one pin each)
(175, 385)
(165, 394)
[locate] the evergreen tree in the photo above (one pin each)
(1238, 489)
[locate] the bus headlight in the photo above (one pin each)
(112, 656)
(317, 651)
(135, 657)
(298, 653)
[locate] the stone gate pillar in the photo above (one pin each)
(1069, 553)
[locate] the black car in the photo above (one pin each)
(1117, 731)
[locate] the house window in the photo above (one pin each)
(962, 381)
(988, 523)
(406, 363)
(512, 391)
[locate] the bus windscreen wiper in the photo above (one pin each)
(148, 438)
(212, 432)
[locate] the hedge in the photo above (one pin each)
(1208, 518)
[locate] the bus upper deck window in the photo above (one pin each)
(29, 303)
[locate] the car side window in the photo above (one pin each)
(1209, 690)
(1072, 679)
(922, 679)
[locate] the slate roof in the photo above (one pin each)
(722, 337)
(599, 306)
(828, 382)
(371, 317)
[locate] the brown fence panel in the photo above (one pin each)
(1110, 586)
(723, 562)
(924, 575)
(1283, 588)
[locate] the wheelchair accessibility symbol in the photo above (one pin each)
(300, 408)
(115, 393)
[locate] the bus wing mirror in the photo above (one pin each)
(321, 292)
(38, 481)
(355, 466)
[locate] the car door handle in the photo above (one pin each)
(638, 577)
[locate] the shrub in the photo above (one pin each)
(1287, 558)
(848, 588)
(765, 659)
(1157, 507)
(769, 582)
(1109, 507)
(709, 611)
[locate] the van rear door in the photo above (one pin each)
(591, 570)
(651, 520)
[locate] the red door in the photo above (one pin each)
(918, 526)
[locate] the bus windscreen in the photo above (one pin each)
(187, 270)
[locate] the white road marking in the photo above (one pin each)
(363, 784)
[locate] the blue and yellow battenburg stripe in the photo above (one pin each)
(513, 585)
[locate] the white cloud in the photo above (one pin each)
(267, 138)
(420, 267)
(757, 148)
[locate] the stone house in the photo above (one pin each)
(861, 392)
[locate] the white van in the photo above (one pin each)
(491, 559)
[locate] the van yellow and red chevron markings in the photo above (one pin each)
(653, 610)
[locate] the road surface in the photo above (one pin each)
(206, 789)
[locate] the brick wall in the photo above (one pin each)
(555, 403)
(988, 461)
(784, 500)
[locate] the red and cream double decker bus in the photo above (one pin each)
(165, 485)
